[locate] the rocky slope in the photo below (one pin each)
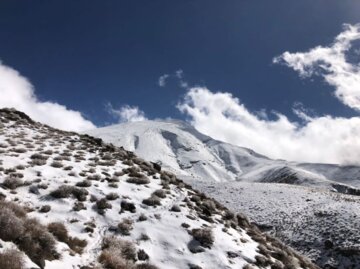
(72, 201)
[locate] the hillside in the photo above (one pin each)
(72, 201)
(305, 205)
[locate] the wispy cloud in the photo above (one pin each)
(162, 80)
(16, 91)
(332, 64)
(177, 75)
(126, 113)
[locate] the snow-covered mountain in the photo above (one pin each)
(72, 201)
(186, 152)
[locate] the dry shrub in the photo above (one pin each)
(57, 164)
(204, 236)
(160, 193)
(37, 242)
(175, 208)
(103, 204)
(66, 191)
(138, 180)
(145, 266)
(11, 259)
(11, 226)
(112, 196)
(12, 183)
(84, 183)
(124, 248)
(152, 201)
(59, 230)
(125, 226)
(128, 206)
(142, 217)
(110, 259)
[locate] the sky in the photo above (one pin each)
(280, 77)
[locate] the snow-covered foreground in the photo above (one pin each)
(186, 152)
(322, 225)
(99, 206)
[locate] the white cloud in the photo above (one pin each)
(331, 63)
(17, 92)
(127, 113)
(162, 80)
(177, 75)
(321, 139)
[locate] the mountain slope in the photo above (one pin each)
(188, 153)
(72, 201)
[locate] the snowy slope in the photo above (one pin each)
(322, 225)
(97, 191)
(186, 152)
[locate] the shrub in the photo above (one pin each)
(79, 206)
(38, 162)
(208, 207)
(18, 210)
(152, 201)
(59, 230)
(112, 196)
(66, 191)
(138, 180)
(160, 193)
(79, 193)
(142, 255)
(63, 191)
(12, 183)
(57, 164)
(102, 205)
(11, 259)
(19, 150)
(125, 248)
(144, 237)
(145, 266)
(204, 236)
(45, 209)
(77, 244)
(11, 226)
(125, 226)
(127, 206)
(38, 156)
(142, 217)
(84, 183)
(111, 260)
(37, 242)
(95, 177)
(175, 208)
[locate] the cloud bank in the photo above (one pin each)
(17, 92)
(324, 139)
(127, 113)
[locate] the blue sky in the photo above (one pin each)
(88, 54)
(84, 53)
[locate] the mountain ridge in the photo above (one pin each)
(188, 153)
